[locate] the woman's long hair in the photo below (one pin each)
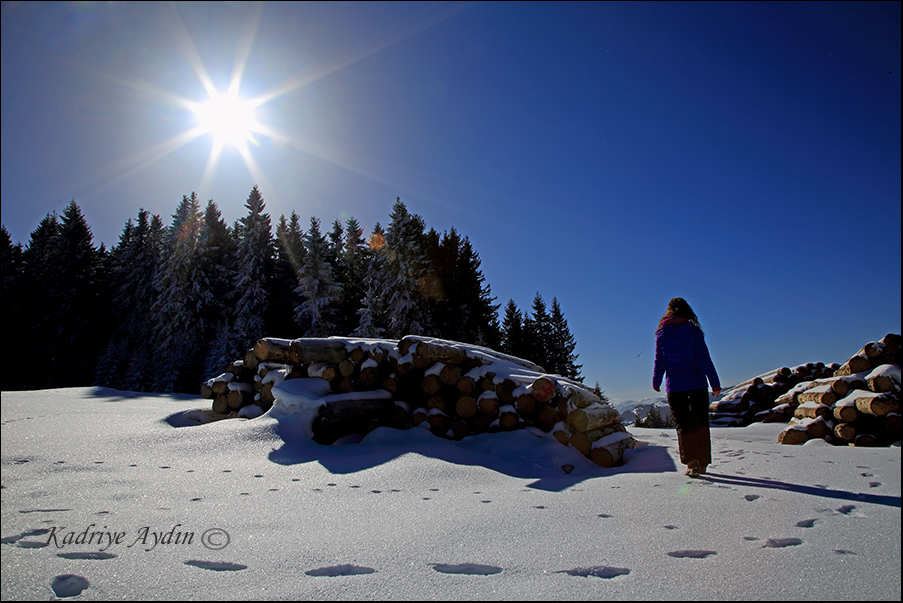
(680, 308)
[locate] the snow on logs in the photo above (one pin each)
(856, 403)
(452, 389)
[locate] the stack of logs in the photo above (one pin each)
(452, 389)
(857, 403)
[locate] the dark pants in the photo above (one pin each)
(690, 410)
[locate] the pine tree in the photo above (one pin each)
(512, 335)
(217, 250)
(356, 262)
(290, 253)
(255, 264)
(134, 263)
(317, 284)
(562, 359)
(177, 321)
(80, 316)
(12, 309)
(406, 266)
(481, 321)
(373, 312)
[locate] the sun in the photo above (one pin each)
(228, 118)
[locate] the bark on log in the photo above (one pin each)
(876, 404)
(221, 405)
(821, 394)
(270, 349)
(611, 455)
(818, 428)
(309, 351)
(594, 416)
(793, 435)
(845, 411)
(856, 364)
(865, 439)
(578, 397)
(583, 442)
(431, 352)
(812, 410)
(561, 433)
(885, 378)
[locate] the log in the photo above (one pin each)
(310, 351)
(545, 416)
(207, 391)
(419, 416)
(845, 431)
(611, 454)
(818, 428)
(856, 364)
(439, 421)
(349, 406)
(270, 349)
(505, 391)
(885, 378)
(544, 388)
(875, 404)
(465, 385)
(326, 372)
(845, 410)
(466, 407)
(431, 384)
(812, 410)
(390, 383)
(865, 439)
(487, 382)
(221, 405)
(561, 432)
(593, 416)
(450, 374)
(346, 368)
(432, 352)
(820, 394)
(250, 360)
(583, 442)
(524, 402)
(578, 397)
(488, 404)
(508, 417)
(795, 434)
(439, 403)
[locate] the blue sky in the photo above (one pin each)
(745, 156)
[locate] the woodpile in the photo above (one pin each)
(856, 403)
(452, 389)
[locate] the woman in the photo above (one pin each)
(682, 358)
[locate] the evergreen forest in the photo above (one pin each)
(171, 305)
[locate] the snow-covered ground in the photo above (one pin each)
(252, 509)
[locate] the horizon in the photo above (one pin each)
(612, 156)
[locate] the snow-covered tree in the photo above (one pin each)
(126, 362)
(373, 312)
(12, 309)
(283, 297)
(406, 267)
(176, 311)
(253, 274)
(317, 313)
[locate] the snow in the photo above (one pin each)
(406, 515)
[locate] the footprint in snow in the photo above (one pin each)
(341, 570)
(692, 553)
(69, 585)
(751, 497)
(780, 543)
(843, 552)
(598, 571)
(91, 555)
(216, 566)
(806, 523)
(667, 527)
(874, 484)
(846, 509)
(18, 537)
(473, 569)
(604, 515)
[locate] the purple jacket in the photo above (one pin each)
(682, 358)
